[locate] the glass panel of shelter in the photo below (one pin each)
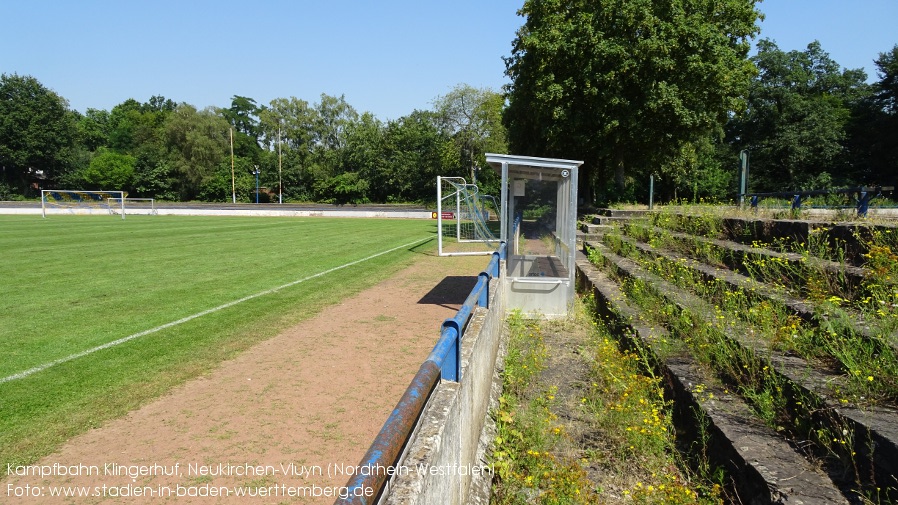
(534, 251)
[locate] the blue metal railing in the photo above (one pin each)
(862, 202)
(443, 362)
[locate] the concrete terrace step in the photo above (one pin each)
(735, 280)
(594, 229)
(624, 212)
(872, 434)
(763, 467)
(608, 220)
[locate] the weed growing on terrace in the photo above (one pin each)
(702, 224)
(628, 406)
(708, 341)
(880, 286)
(871, 366)
(623, 396)
(689, 245)
(523, 455)
(526, 354)
(631, 453)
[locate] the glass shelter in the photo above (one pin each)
(539, 224)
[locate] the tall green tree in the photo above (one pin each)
(799, 107)
(292, 120)
(365, 154)
(93, 129)
(243, 115)
(37, 133)
(138, 129)
(291, 123)
(134, 126)
(623, 84)
(109, 170)
(874, 128)
(473, 118)
(415, 148)
(420, 151)
(334, 116)
(197, 143)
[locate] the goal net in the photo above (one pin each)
(134, 205)
(467, 222)
(63, 201)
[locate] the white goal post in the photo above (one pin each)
(82, 202)
(463, 219)
(135, 205)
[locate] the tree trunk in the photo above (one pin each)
(619, 173)
(585, 187)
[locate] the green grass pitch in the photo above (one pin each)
(73, 283)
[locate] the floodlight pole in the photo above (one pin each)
(280, 163)
(233, 182)
(256, 172)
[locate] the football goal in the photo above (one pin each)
(467, 221)
(134, 205)
(63, 201)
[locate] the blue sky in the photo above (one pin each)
(388, 57)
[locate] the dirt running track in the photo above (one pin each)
(284, 414)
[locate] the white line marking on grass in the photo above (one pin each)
(40, 368)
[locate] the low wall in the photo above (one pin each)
(247, 210)
(368, 213)
(444, 463)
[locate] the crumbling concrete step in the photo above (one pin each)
(608, 220)
(624, 212)
(761, 466)
(735, 280)
(872, 431)
(594, 229)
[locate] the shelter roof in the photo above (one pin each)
(532, 167)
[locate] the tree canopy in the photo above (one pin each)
(873, 130)
(795, 126)
(324, 151)
(626, 85)
(473, 118)
(37, 131)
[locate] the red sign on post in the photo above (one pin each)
(444, 215)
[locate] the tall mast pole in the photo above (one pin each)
(233, 184)
(280, 164)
